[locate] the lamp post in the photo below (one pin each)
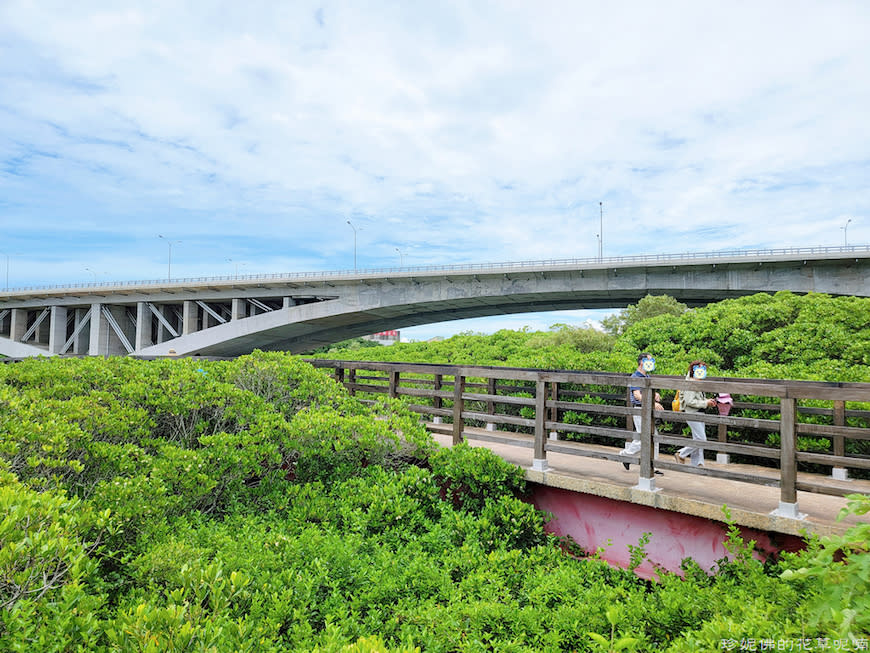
(354, 244)
(7, 271)
(93, 273)
(169, 264)
(845, 228)
(401, 258)
(601, 231)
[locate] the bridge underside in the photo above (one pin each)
(233, 319)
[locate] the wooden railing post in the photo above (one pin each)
(490, 405)
(436, 401)
(646, 480)
(839, 473)
(339, 375)
(394, 383)
(351, 381)
(458, 387)
(722, 433)
(554, 411)
(788, 460)
(539, 458)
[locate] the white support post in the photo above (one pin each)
(18, 325)
(98, 344)
(239, 307)
(190, 317)
(57, 329)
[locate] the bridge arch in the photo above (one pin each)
(227, 316)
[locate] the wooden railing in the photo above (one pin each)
(551, 395)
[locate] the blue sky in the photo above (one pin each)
(448, 133)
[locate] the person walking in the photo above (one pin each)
(645, 366)
(692, 401)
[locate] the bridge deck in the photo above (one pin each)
(702, 496)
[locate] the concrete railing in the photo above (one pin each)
(548, 396)
(478, 268)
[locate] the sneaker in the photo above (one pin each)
(626, 465)
(680, 459)
(658, 473)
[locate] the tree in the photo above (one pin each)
(583, 339)
(649, 306)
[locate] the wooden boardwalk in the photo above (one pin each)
(788, 427)
(678, 489)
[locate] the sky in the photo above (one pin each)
(248, 134)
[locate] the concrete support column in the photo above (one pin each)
(98, 345)
(239, 309)
(143, 327)
(57, 329)
(190, 318)
(19, 324)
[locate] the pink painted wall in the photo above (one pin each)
(591, 521)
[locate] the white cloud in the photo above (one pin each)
(453, 132)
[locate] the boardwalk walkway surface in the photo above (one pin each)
(703, 496)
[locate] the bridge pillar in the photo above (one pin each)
(18, 325)
(239, 309)
(103, 340)
(57, 329)
(99, 340)
(190, 318)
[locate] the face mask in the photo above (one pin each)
(699, 371)
(648, 364)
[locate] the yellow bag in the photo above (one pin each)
(675, 404)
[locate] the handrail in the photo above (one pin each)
(479, 268)
(546, 405)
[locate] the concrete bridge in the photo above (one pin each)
(228, 316)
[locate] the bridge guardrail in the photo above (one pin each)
(290, 277)
(586, 404)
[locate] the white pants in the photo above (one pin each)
(695, 453)
(633, 446)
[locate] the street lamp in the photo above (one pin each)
(7, 271)
(601, 231)
(401, 258)
(845, 228)
(354, 244)
(93, 273)
(237, 264)
(169, 265)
